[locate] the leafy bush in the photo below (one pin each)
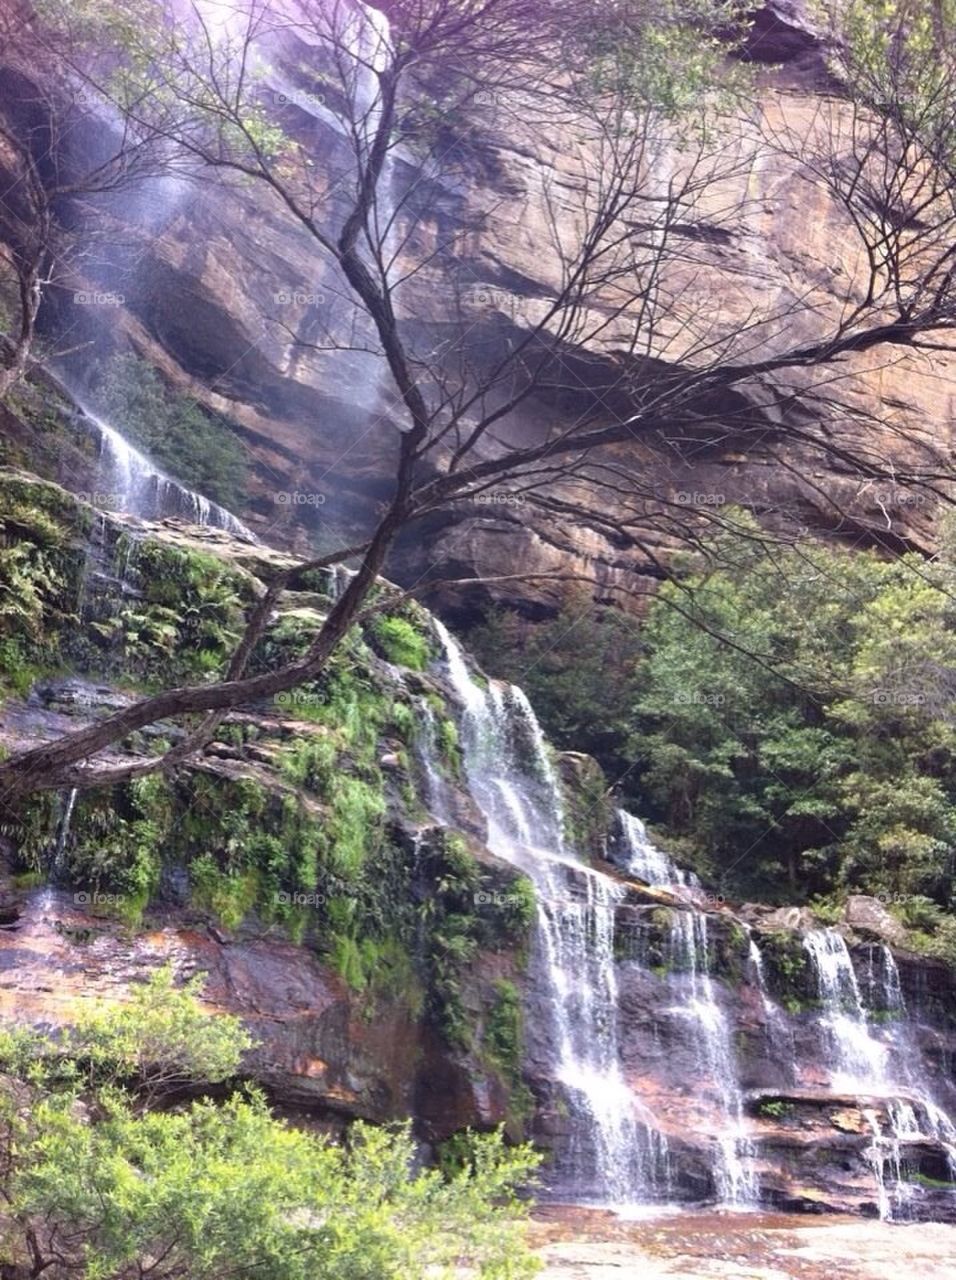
(99, 1185)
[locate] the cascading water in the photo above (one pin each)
(134, 485)
(645, 861)
(615, 1153)
(859, 1059)
(437, 790)
(734, 1172)
(878, 1062)
(62, 835)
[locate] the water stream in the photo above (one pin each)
(733, 1165)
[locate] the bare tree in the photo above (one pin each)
(627, 334)
(58, 153)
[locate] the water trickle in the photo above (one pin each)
(778, 1030)
(437, 791)
(62, 835)
(615, 1154)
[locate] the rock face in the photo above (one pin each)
(318, 425)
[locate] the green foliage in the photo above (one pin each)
(795, 726)
(897, 58)
(775, 1108)
(504, 1030)
(353, 828)
(667, 56)
(97, 1182)
(220, 1189)
(40, 569)
(201, 451)
(114, 848)
(160, 1038)
(186, 620)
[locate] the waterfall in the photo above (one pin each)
(859, 1060)
(888, 1068)
(615, 1154)
(778, 1030)
(734, 1172)
(131, 483)
(62, 835)
(644, 861)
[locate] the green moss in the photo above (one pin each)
(228, 895)
(310, 762)
(398, 641)
(931, 1184)
(449, 746)
(354, 828)
(504, 1031)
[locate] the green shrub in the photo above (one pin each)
(107, 1185)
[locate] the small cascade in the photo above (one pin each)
(643, 860)
(878, 1061)
(734, 1171)
(131, 483)
(859, 1060)
(339, 579)
(615, 1154)
(778, 1030)
(881, 984)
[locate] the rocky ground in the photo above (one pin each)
(585, 1245)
